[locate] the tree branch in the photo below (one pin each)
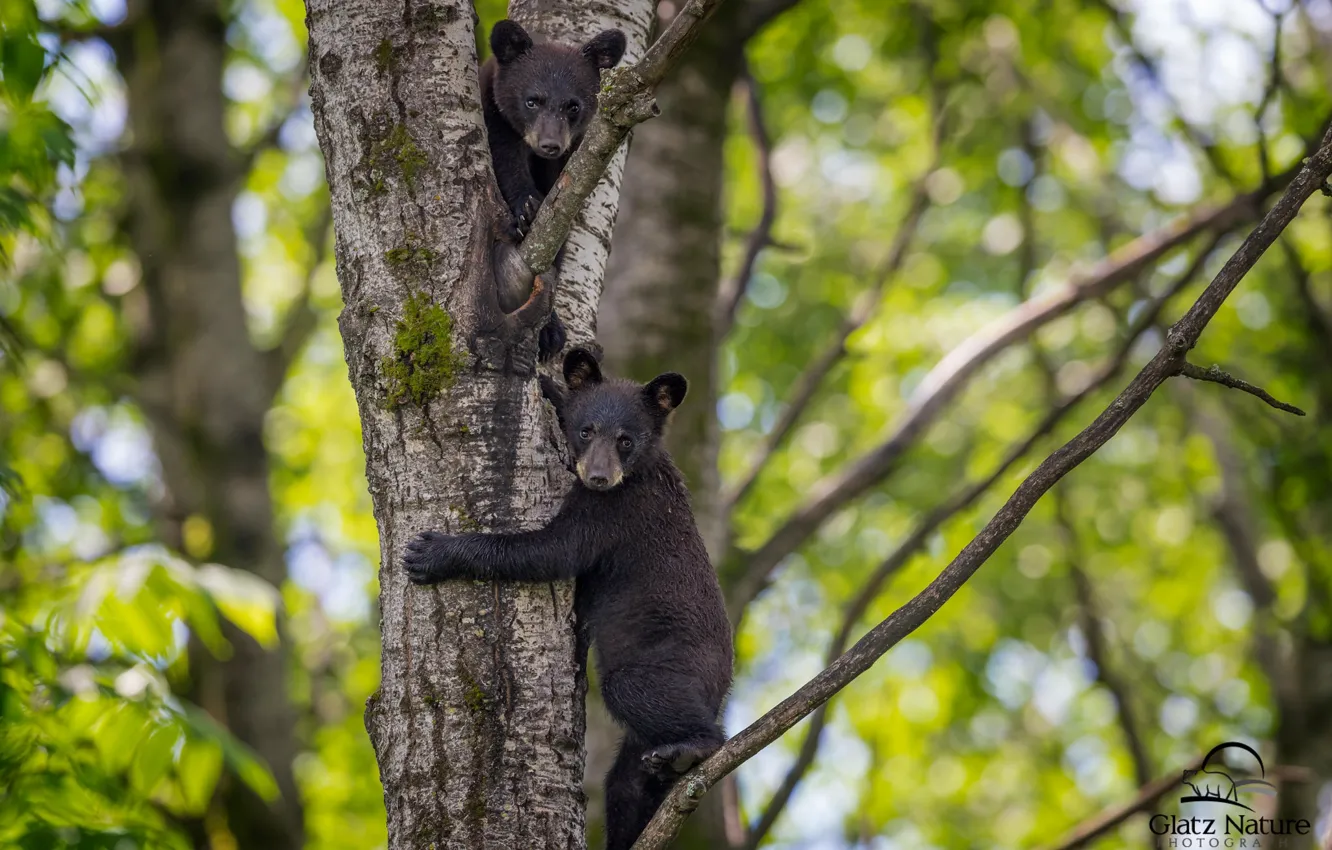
(911, 616)
(1093, 828)
(748, 573)
(1214, 375)
(732, 291)
(626, 99)
(958, 502)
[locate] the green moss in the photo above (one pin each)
(475, 699)
(465, 521)
(396, 151)
(405, 254)
(410, 158)
(384, 56)
(424, 363)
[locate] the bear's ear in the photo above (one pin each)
(508, 41)
(665, 392)
(605, 49)
(581, 369)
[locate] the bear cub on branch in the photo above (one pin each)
(537, 100)
(646, 594)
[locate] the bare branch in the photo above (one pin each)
(626, 99)
(911, 616)
(749, 572)
(931, 522)
(1216, 376)
(732, 291)
(1274, 82)
(1093, 828)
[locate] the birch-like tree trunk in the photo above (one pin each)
(478, 722)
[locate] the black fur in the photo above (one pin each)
(646, 594)
(537, 100)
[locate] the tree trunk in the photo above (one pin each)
(200, 381)
(478, 721)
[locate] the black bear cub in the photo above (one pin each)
(646, 595)
(537, 100)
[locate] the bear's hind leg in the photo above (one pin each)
(668, 712)
(632, 795)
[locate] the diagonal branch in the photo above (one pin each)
(748, 573)
(1214, 375)
(732, 291)
(1093, 828)
(1182, 337)
(626, 99)
(931, 522)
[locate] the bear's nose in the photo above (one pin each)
(550, 148)
(598, 481)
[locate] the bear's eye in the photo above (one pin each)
(585, 434)
(533, 103)
(626, 443)
(573, 109)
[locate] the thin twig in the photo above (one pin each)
(931, 522)
(626, 99)
(747, 573)
(732, 291)
(684, 797)
(1214, 375)
(1273, 86)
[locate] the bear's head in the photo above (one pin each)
(548, 92)
(614, 426)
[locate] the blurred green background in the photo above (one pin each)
(1173, 593)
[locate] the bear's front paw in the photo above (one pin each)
(524, 213)
(429, 558)
(552, 338)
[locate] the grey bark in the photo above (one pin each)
(478, 722)
(198, 377)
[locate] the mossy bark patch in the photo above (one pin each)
(423, 363)
(395, 153)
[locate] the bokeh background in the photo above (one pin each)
(935, 167)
